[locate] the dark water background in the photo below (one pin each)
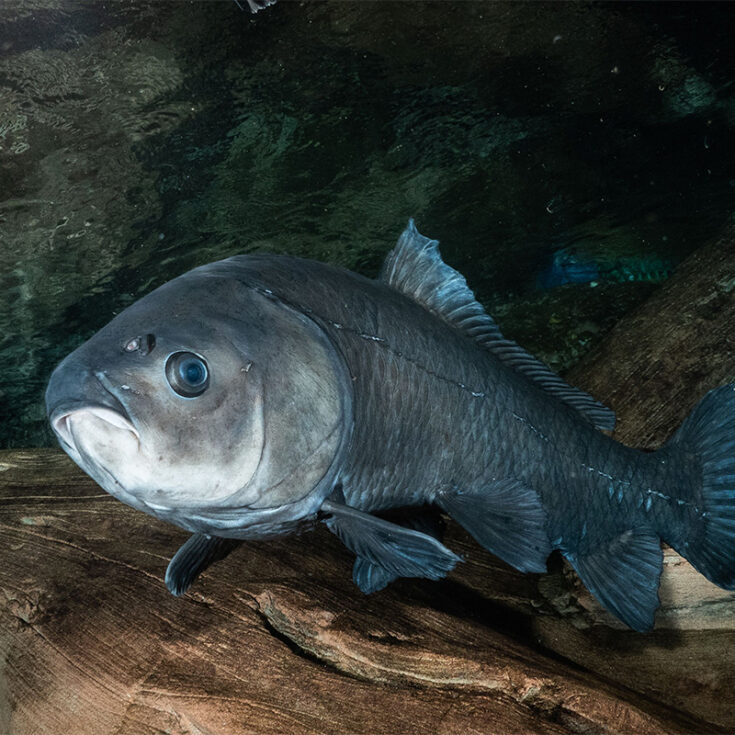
(141, 138)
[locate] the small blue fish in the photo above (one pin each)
(568, 265)
(263, 394)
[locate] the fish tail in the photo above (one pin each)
(708, 433)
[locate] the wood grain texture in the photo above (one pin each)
(276, 639)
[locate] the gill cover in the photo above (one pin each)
(307, 400)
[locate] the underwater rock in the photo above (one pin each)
(563, 324)
(72, 193)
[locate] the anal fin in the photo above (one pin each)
(507, 518)
(194, 556)
(623, 574)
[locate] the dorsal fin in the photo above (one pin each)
(415, 268)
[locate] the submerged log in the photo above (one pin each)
(276, 639)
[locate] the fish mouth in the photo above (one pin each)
(77, 397)
(64, 417)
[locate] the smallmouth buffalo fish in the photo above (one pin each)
(261, 394)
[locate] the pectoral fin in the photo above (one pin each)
(507, 518)
(398, 551)
(199, 552)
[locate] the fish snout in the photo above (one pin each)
(77, 396)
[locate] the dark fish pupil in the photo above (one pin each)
(192, 372)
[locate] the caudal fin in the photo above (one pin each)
(708, 433)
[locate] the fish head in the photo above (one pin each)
(209, 403)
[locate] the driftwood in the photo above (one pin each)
(276, 639)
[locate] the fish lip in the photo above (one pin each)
(106, 385)
(58, 415)
(106, 406)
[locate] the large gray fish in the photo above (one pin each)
(259, 394)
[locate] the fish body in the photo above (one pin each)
(332, 397)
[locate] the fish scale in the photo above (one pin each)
(384, 408)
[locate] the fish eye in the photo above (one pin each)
(187, 374)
